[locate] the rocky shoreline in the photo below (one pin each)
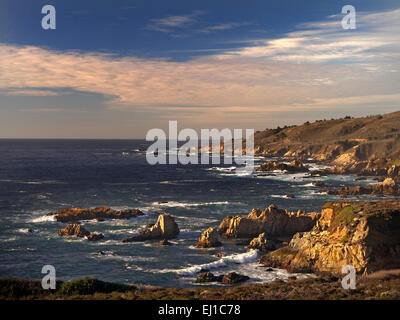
(344, 233)
(364, 234)
(379, 286)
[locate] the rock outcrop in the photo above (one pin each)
(100, 213)
(231, 278)
(73, 229)
(386, 188)
(209, 239)
(294, 167)
(319, 184)
(165, 242)
(273, 221)
(365, 235)
(164, 228)
(262, 243)
(207, 276)
(95, 236)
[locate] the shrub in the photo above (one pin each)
(12, 288)
(90, 286)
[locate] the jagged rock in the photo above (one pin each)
(206, 276)
(164, 228)
(386, 188)
(209, 239)
(365, 235)
(272, 221)
(233, 278)
(165, 242)
(294, 167)
(73, 229)
(393, 171)
(319, 184)
(361, 178)
(101, 213)
(261, 243)
(95, 236)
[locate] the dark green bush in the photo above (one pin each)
(13, 288)
(90, 286)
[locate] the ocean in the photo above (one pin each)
(41, 176)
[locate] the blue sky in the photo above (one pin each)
(115, 69)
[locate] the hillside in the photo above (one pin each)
(339, 140)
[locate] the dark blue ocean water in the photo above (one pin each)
(41, 176)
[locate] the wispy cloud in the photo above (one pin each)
(377, 37)
(31, 93)
(290, 73)
(223, 27)
(182, 25)
(172, 23)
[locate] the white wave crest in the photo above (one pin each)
(43, 219)
(240, 258)
(172, 204)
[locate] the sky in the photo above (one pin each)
(116, 69)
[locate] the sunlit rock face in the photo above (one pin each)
(272, 221)
(365, 235)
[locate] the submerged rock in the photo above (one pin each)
(271, 221)
(386, 188)
(207, 276)
(233, 278)
(165, 242)
(261, 243)
(319, 184)
(95, 236)
(209, 239)
(164, 228)
(73, 229)
(294, 167)
(100, 213)
(364, 234)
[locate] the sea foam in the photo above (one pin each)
(240, 258)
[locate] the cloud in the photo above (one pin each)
(286, 74)
(223, 27)
(31, 93)
(48, 110)
(189, 23)
(171, 23)
(377, 37)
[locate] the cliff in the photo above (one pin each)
(365, 235)
(340, 141)
(272, 221)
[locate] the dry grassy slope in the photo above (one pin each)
(375, 136)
